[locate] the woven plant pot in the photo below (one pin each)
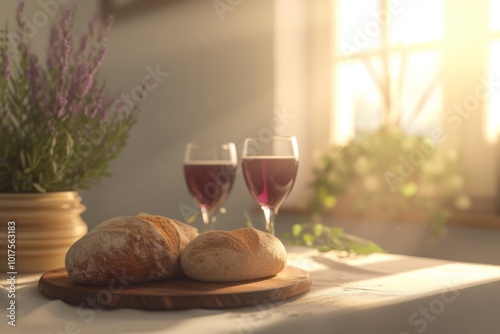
(46, 225)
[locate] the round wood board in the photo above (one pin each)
(176, 294)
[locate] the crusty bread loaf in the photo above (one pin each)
(225, 256)
(143, 248)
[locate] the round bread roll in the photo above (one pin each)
(137, 249)
(225, 256)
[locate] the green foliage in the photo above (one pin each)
(390, 172)
(326, 238)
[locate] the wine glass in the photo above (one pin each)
(270, 167)
(209, 170)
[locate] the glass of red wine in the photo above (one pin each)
(209, 170)
(270, 166)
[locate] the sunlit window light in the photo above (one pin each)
(421, 76)
(358, 101)
(495, 15)
(417, 21)
(493, 117)
(346, 78)
(358, 25)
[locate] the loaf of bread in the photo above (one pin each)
(225, 256)
(137, 249)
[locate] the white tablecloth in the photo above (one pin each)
(380, 293)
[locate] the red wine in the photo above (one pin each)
(209, 182)
(270, 179)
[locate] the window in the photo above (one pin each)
(382, 46)
(412, 63)
(331, 56)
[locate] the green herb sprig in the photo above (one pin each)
(326, 238)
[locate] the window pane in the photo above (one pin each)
(359, 101)
(359, 25)
(494, 110)
(416, 21)
(421, 86)
(495, 15)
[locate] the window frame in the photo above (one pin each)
(482, 191)
(316, 115)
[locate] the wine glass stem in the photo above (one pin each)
(208, 219)
(270, 216)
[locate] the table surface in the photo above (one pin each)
(379, 293)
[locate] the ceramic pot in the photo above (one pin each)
(46, 225)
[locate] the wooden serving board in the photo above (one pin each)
(176, 294)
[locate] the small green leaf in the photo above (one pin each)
(23, 159)
(192, 218)
(248, 220)
(330, 201)
(409, 189)
(337, 231)
(318, 229)
(39, 188)
(308, 239)
(296, 230)
(69, 144)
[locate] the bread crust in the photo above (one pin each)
(225, 256)
(143, 248)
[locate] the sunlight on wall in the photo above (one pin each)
(290, 86)
(495, 15)
(407, 25)
(493, 119)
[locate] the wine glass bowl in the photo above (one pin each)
(209, 171)
(270, 168)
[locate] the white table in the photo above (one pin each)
(380, 293)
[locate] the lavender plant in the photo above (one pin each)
(59, 129)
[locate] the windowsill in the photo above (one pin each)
(475, 219)
(465, 219)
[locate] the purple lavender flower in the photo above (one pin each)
(34, 78)
(52, 54)
(92, 25)
(6, 58)
(66, 20)
(20, 12)
(21, 32)
(95, 110)
(82, 48)
(90, 77)
(61, 100)
(104, 33)
(60, 104)
(63, 70)
(75, 85)
(6, 117)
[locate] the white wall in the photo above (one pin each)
(220, 88)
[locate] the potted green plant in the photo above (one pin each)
(390, 173)
(58, 132)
